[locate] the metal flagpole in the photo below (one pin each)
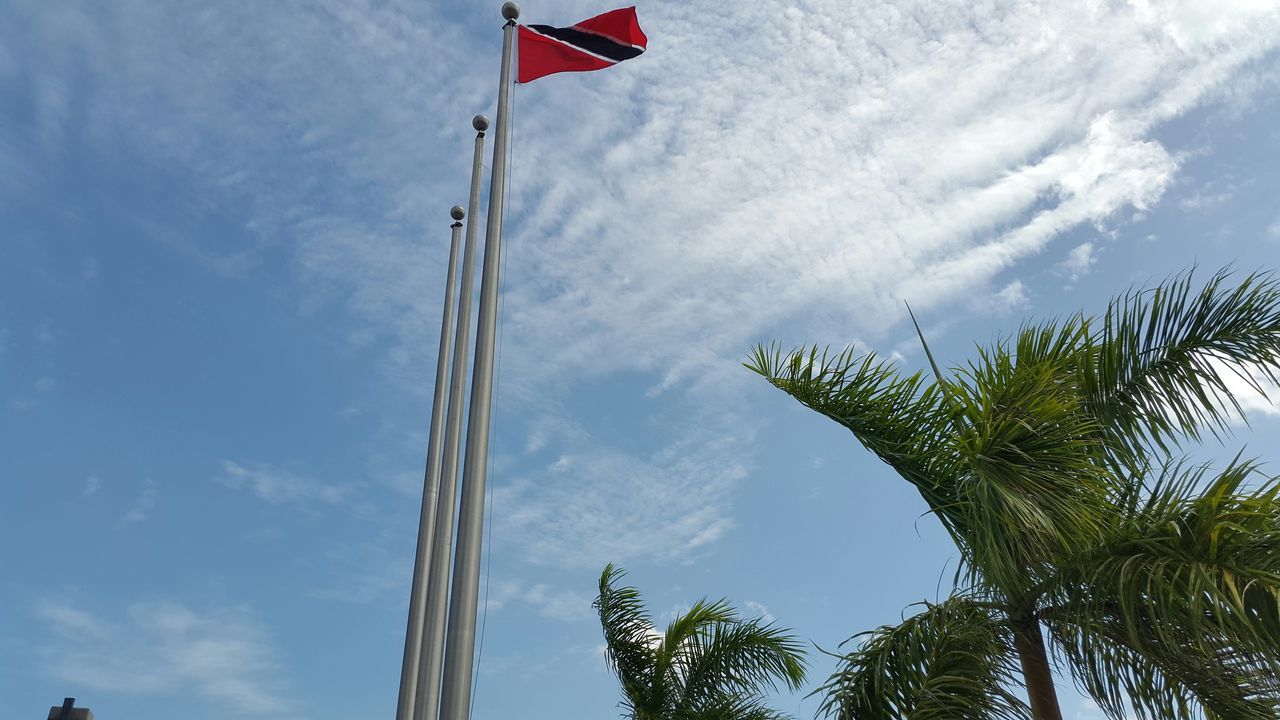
(455, 703)
(442, 546)
(430, 492)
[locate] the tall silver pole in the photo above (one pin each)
(442, 546)
(455, 703)
(430, 493)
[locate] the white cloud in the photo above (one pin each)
(542, 598)
(1011, 297)
(737, 187)
(1089, 710)
(1211, 194)
(1201, 201)
(666, 213)
(756, 610)
(1252, 402)
(92, 485)
(70, 622)
(595, 505)
(1245, 389)
(165, 649)
(281, 487)
(142, 506)
(1079, 262)
(45, 384)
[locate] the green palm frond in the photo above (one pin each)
(1200, 550)
(953, 661)
(1028, 483)
(1004, 453)
(1182, 603)
(740, 658)
(1046, 459)
(899, 418)
(732, 708)
(709, 664)
(699, 618)
(629, 645)
(677, 643)
(902, 419)
(1158, 682)
(1164, 357)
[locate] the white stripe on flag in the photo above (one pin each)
(611, 38)
(571, 45)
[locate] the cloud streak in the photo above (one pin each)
(281, 487)
(544, 599)
(592, 504)
(165, 649)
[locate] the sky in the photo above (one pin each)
(223, 235)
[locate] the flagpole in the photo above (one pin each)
(455, 703)
(428, 704)
(430, 492)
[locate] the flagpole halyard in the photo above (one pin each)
(405, 704)
(428, 704)
(455, 703)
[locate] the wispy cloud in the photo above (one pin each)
(1253, 403)
(1012, 297)
(42, 386)
(92, 484)
(543, 599)
(593, 505)
(165, 648)
(142, 506)
(1211, 194)
(282, 487)
(756, 610)
(1079, 262)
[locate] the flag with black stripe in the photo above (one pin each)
(593, 44)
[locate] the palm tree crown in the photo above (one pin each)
(1052, 461)
(708, 665)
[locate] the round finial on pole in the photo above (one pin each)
(510, 11)
(480, 123)
(457, 213)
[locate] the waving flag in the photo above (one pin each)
(593, 44)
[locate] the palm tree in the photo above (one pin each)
(708, 665)
(1053, 460)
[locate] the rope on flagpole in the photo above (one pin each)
(502, 313)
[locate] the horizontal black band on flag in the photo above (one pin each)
(590, 42)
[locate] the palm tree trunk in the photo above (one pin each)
(1029, 643)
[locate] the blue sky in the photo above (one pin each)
(222, 236)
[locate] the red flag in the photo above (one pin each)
(593, 44)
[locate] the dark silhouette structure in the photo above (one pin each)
(68, 711)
